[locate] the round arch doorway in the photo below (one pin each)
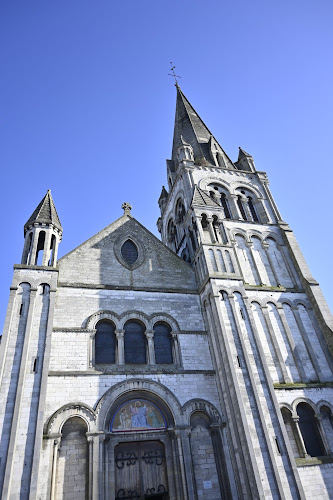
(141, 450)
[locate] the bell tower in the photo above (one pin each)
(42, 233)
(221, 218)
(25, 353)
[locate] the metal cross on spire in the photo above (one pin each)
(174, 74)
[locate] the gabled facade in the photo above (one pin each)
(199, 367)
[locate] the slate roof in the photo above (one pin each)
(45, 213)
(203, 199)
(190, 128)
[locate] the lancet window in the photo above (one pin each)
(135, 343)
(105, 342)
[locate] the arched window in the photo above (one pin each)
(105, 342)
(252, 209)
(180, 211)
(40, 248)
(163, 343)
(291, 431)
(225, 206)
(135, 342)
(241, 207)
(216, 227)
(309, 429)
(73, 459)
(171, 232)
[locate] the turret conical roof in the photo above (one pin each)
(45, 213)
(190, 128)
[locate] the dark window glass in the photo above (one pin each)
(129, 252)
(241, 207)
(309, 430)
(135, 343)
(252, 209)
(163, 344)
(225, 206)
(105, 342)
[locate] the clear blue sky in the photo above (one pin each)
(87, 109)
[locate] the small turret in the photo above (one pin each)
(162, 201)
(184, 151)
(43, 233)
(245, 161)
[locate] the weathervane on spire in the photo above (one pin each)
(174, 74)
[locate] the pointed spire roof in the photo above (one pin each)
(164, 193)
(243, 154)
(45, 213)
(203, 199)
(190, 128)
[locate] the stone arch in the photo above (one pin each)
(201, 405)
(288, 407)
(249, 187)
(154, 318)
(203, 183)
(299, 400)
(301, 302)
(322, 403)
(135, 315)
(55, 423)
(132, 388)
(98, 316)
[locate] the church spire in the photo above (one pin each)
(45, 213)
(43, 233)
(190, 128)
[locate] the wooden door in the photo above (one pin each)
(140, 470)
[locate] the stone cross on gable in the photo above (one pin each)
(127, 207)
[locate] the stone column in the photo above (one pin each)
(55, 251)
(286, 263)
(120, 345)
(90, 466)
(6, 329)
(308, 345)
(222, 473)
(151, 348)
(235, 213)
(55, 451)
(265, 246)
(101, 467)
(92, 348)
(26, 248)
(18, 397)
(211, 229)
(247, 208)
(299, 437)
(265, 185)
(47, 245)
(282, 365)
(176, 463)
(176, 349)
(201, 238)
(182, 465)
(249, 245)
(185, 438)
(294, 351)
(32, 256)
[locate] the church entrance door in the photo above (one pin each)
(141, 471)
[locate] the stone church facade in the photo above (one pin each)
(199, 367)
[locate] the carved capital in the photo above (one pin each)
(119, 333)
